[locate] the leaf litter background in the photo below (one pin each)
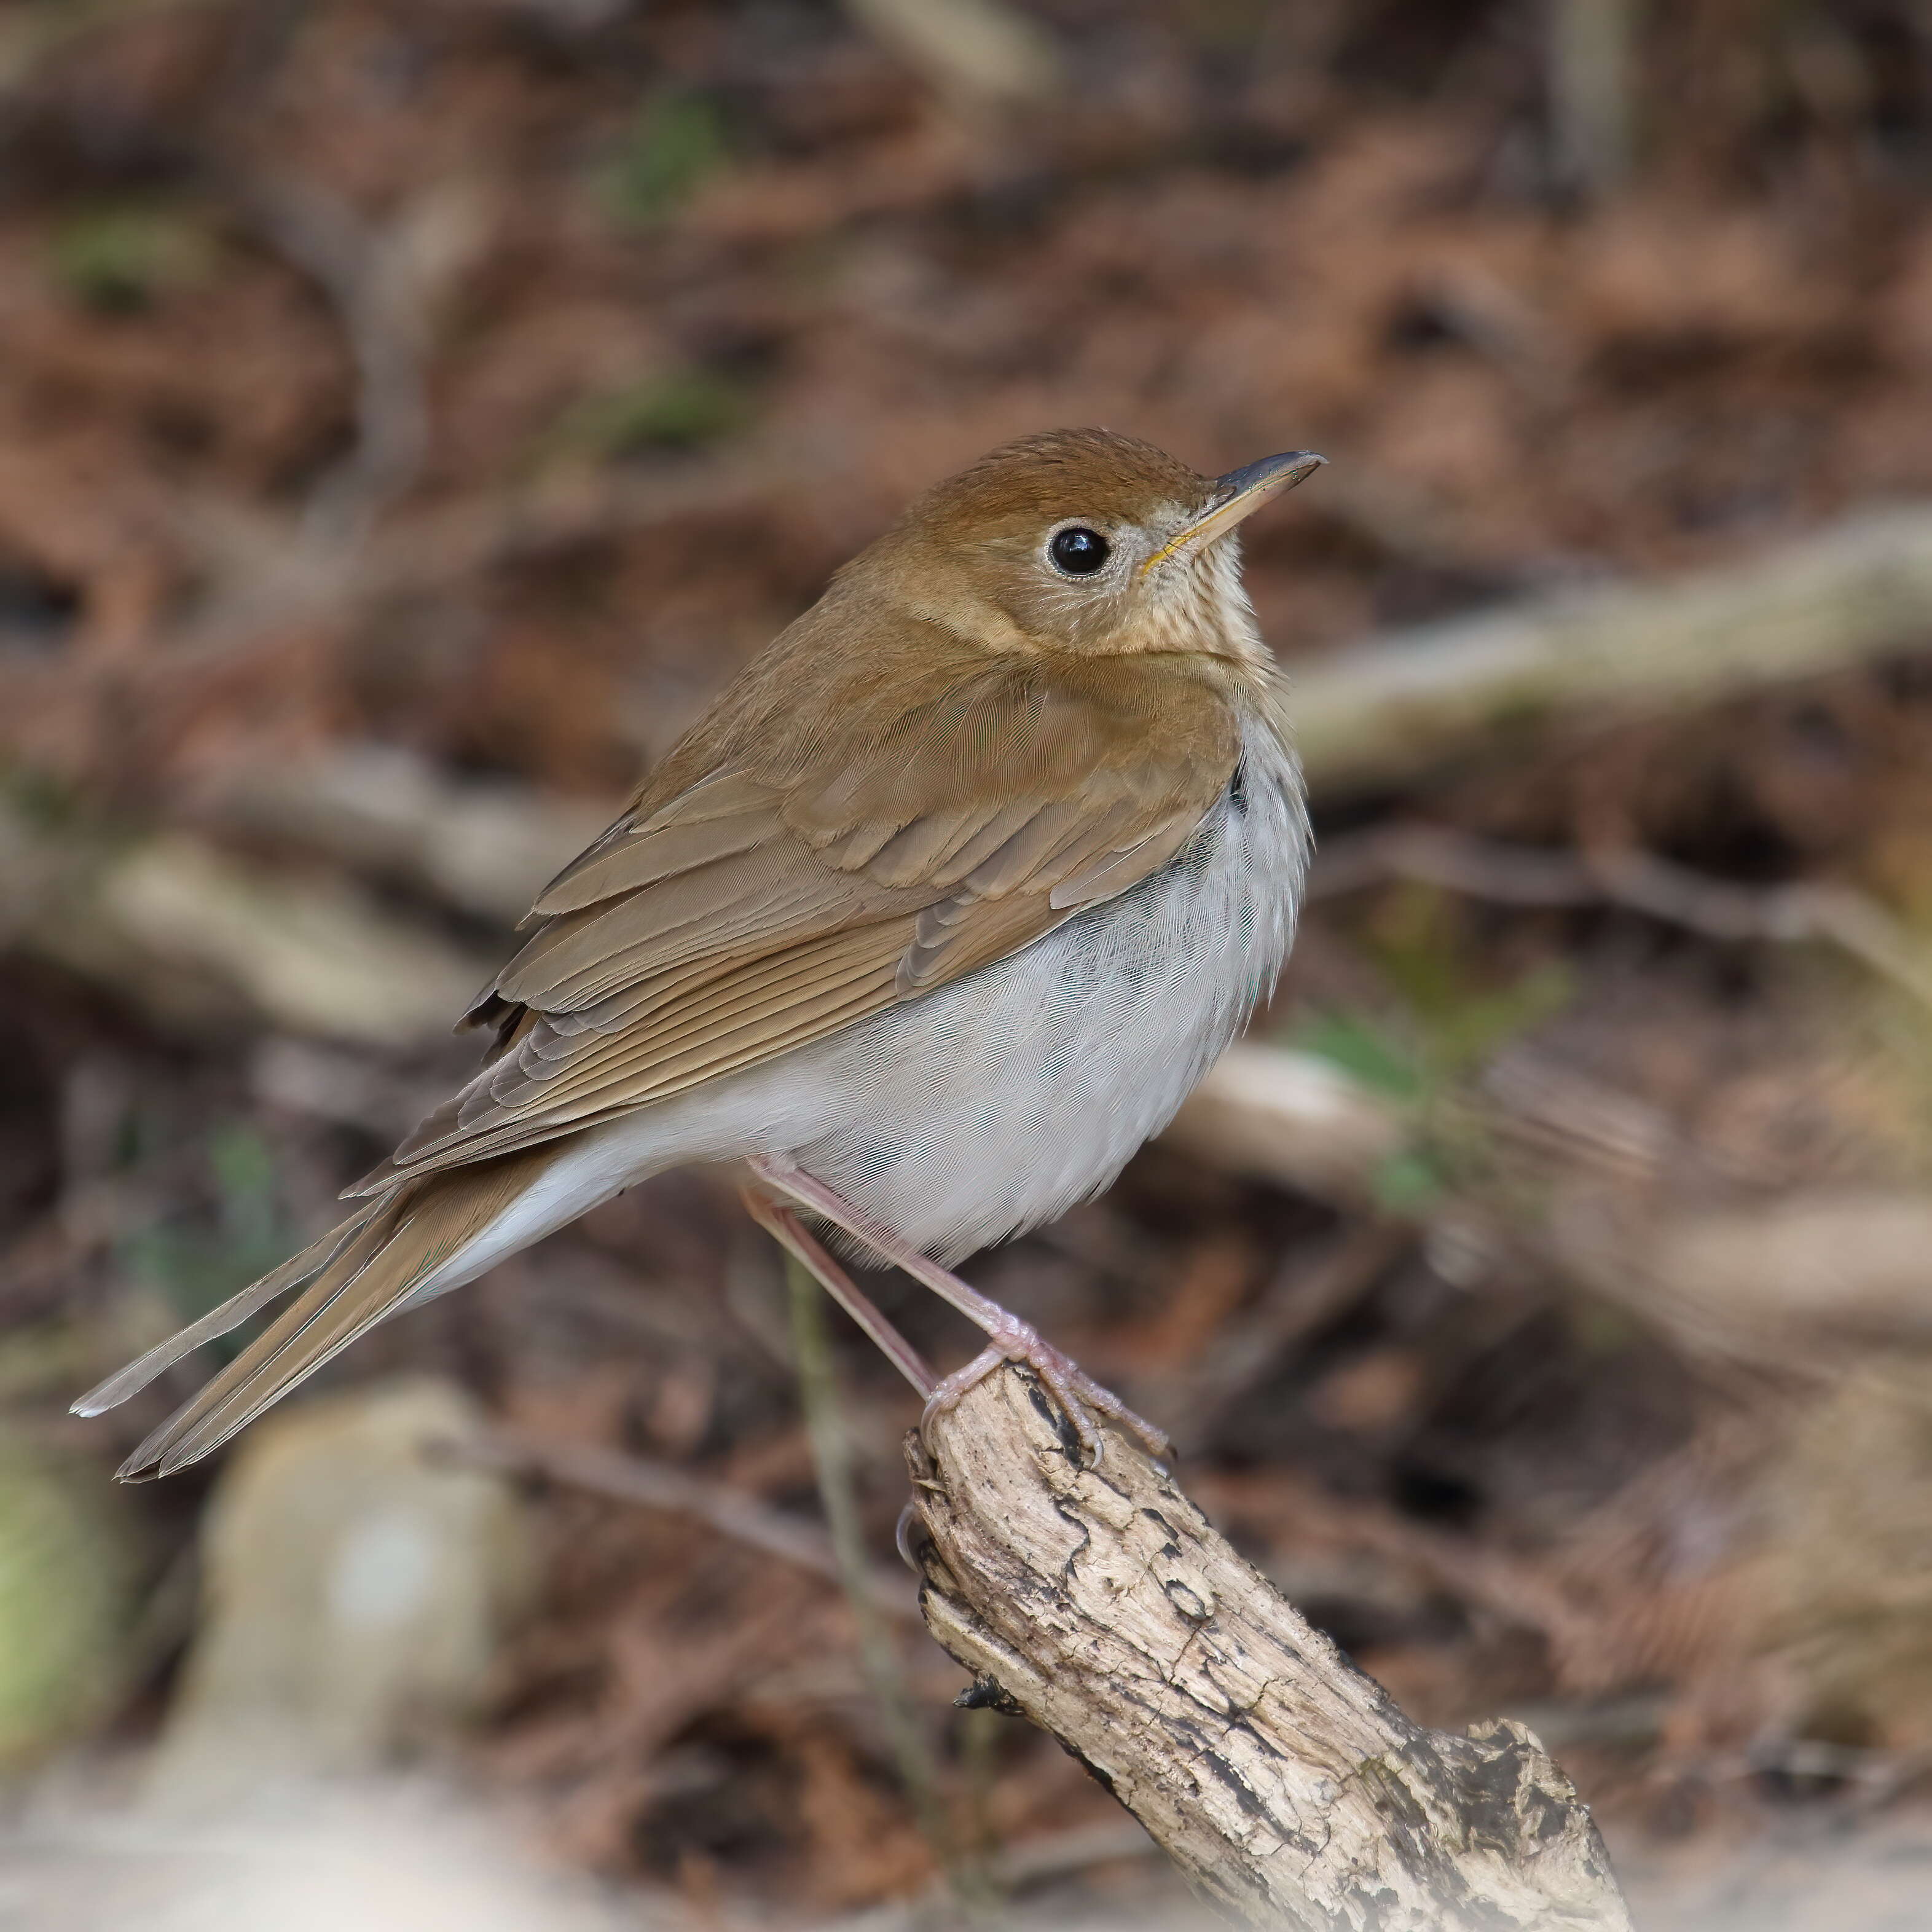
(411, 413)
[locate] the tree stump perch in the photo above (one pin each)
(1287, 1786)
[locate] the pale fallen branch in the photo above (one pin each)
(1800, 1284)
(379, 280)
(1381, 713)
(1386, 711)
(1270, 1113)
(194, 934)
(175, 914)
(486, 847)
(1287, 1786)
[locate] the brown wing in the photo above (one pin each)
(809, 878)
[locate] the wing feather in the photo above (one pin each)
(727, 813)
(746, 907)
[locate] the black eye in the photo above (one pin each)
(1079, 551)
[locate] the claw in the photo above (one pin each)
(902, 1530)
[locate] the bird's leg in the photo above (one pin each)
(1009, 1339)
(780, 1220)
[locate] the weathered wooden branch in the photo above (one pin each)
(1285, 1784)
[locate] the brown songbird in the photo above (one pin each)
(932, 918)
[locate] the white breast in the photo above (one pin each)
(996, 1103)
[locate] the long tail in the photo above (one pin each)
(363, 1271)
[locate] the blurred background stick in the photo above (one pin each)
(1287, 1786)
(1587, 64)
(975, 52)
(1391, 709)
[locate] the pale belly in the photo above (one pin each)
(999, 1101)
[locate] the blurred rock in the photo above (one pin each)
(67, 1574)
(380, 1857)
(1845, 1600)
(356, 1585)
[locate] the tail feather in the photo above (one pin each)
(364, 1271)
(233, 1313)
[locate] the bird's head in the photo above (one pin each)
(1082, 541)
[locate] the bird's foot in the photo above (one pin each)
(1008, 1339)
(1080, 1398)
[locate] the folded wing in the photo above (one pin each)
(786, 889)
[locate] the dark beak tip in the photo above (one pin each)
(1285, 471)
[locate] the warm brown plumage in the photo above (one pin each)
(806, 881)
(958, 749)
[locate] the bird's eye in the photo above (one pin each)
(1078, 551)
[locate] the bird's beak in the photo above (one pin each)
(1238, 495)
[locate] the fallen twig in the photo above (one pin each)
(192, 934)
(379, 281)
(662, 1485)
(1716, 908)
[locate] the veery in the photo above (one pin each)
(937, 913)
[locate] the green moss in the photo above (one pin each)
(122, 258)
(197, 1266)
(1449, 1019)
(66, 1572)
(677, 142)
(680, 410)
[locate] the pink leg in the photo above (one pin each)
(781, 1223)
(1009, 1339)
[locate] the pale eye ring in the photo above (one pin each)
(1078, 550)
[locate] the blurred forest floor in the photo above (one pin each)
(411, 411)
